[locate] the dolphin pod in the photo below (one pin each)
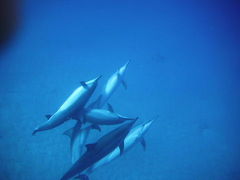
(105, 145)
(79, 136)
(85, 157)
(74, 104)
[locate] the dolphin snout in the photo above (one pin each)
(34, 132)
(97, 78)
(148, 123)
(126, 64)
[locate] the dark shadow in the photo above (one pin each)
(9, 21)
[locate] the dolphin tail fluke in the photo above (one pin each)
(82, 177)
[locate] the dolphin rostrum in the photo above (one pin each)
(73, 105)
(111, 85)
(105, 145)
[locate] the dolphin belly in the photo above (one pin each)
(109, 89)
(55, 120)
(74, 103)
(77, 100)
(101, 117)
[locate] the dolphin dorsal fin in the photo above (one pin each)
(84, 84)
(143, 143)
(90, 147)
(68, 132)
(48, 116)
(110, 108)
(121, 147)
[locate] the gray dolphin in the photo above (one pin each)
(111, 85)
(104, 117)
(134, 136)
(74, 104)
(100, 149)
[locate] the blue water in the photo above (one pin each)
(184, 67)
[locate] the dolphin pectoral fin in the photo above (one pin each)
(48, 116)
(97, 127)
(121, 147)
(143, 143)
(84, 84)
(124, 83)
(90, 147)
(68, 132)
(110, 108)
(82, 177)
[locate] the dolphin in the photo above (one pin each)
(105, 145)
(78, 137)
(104, 117)
(71, 107)
(111, 85)
(134, 136)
